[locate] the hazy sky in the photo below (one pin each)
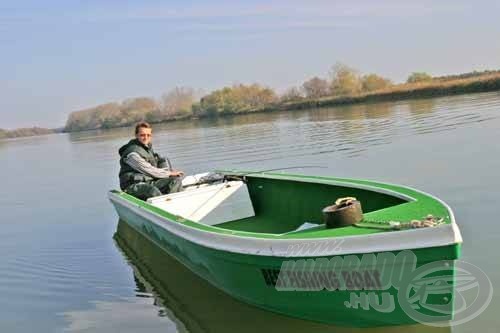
(61, 56)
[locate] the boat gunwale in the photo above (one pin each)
(348, 182)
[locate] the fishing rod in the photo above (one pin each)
(215, 177)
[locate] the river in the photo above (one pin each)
(62, 270)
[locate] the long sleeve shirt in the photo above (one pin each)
(141, 165)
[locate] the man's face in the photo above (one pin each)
(144, 135)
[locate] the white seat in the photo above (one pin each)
(208, 204)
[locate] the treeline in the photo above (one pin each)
(183, 102)
(423, 87)
(179, 103)
(20, 132)
(174, 104)
(342, 84)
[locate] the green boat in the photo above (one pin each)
(261, 238)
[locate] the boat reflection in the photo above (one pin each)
(194, 305)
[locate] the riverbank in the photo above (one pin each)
(434, 88)
(25, 132)
(222, 103)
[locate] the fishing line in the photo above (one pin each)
(287, 168)
(198, 180)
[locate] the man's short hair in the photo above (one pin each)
(142, 124)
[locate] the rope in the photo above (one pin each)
(428, 222)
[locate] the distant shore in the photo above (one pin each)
(437, 87)
(25, 132)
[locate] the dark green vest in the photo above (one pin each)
(129, 175)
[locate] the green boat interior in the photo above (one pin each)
(283, 205)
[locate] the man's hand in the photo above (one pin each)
(176, 173)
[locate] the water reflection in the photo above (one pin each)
(138, 314)
(380, 110)
(99, 135)
(347, 130)
(422, 107)
(181, 125)
(191, 304)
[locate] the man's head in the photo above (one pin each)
(143, 133)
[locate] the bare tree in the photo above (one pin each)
(316, 88)
(177, 101)
(291, 94)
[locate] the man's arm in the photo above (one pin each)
(141, 165)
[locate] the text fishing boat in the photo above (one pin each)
(276, 241)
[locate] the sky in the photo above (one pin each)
(61, 56)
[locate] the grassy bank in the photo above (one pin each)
(434, 88)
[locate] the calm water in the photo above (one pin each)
(61, 269)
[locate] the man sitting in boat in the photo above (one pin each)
(144, 173)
